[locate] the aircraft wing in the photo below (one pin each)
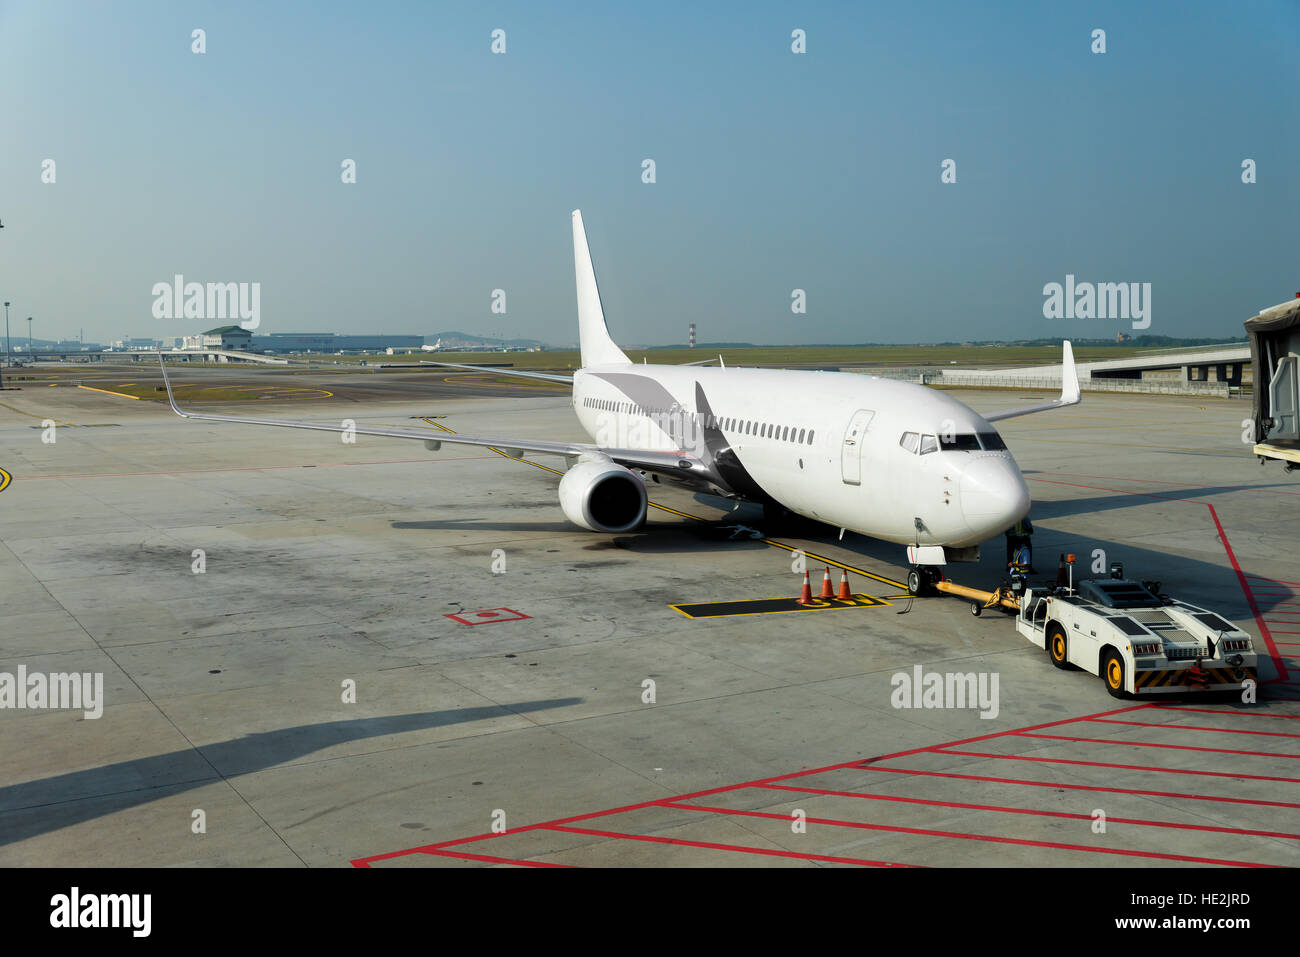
(665, 463)
(566, 379)
(1070, 394)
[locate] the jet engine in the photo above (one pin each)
(603, 497)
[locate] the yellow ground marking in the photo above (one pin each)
(32, 415)
(303, 390)
(859, 600)
(822, 559)
(696, 518)
(5, 479)
(486, 378)
(108, 392)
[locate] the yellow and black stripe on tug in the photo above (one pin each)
(1191, 679)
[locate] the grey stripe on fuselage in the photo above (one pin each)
(714, 451)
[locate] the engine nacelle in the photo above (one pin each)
(603, 497)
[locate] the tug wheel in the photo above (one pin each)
(976, 609)
(1057, 647)
(1112, 673)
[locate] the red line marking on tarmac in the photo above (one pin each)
(1186, 727)
(871, 764)
(856, 762)
(927, 832)
(1037, 812)
(489, 617)
(489, 859)
(1227, 547)
(1151, 744)
(1124, 767)
(1235, 714)
(772, 852)
(1218, 799)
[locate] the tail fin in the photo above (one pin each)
(597, 347)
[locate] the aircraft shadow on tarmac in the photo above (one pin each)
(1211, 584)
(1181, 576)
(448, 524)
(38, 807)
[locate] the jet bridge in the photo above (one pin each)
(1275, 353)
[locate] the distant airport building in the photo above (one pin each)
(134, 344)
(234, 338)
(330, 342)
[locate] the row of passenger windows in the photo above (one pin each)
(766, 430)
(969, 442)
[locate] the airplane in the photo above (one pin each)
(888, 459)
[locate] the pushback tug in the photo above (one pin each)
(1138, 640)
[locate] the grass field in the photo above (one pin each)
(996, 356)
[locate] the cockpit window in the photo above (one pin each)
(992, 442)
(959, 443)
(910, 441)
(929, 444)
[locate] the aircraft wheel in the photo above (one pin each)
(1057, 649)
(914, 582)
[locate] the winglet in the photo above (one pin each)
(1069, 376)
(168, 383)
(1070, 394)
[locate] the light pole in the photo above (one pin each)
(29, 338)
(7, 360)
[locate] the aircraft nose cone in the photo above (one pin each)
(993, 496)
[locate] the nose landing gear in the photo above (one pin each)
(922, 579)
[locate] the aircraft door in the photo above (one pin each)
(851, 448)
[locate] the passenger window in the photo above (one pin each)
(801, 436)
(929, 444)
(810, 435)
(910, 441)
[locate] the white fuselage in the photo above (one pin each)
(855, 451)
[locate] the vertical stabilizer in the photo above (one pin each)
(597, 347)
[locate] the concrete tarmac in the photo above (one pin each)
(325, 692)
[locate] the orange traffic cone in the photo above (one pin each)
(844, 593)
(805, 596)
(827, 591)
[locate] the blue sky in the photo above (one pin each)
(775, 171)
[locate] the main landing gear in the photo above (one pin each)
(922, 578)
